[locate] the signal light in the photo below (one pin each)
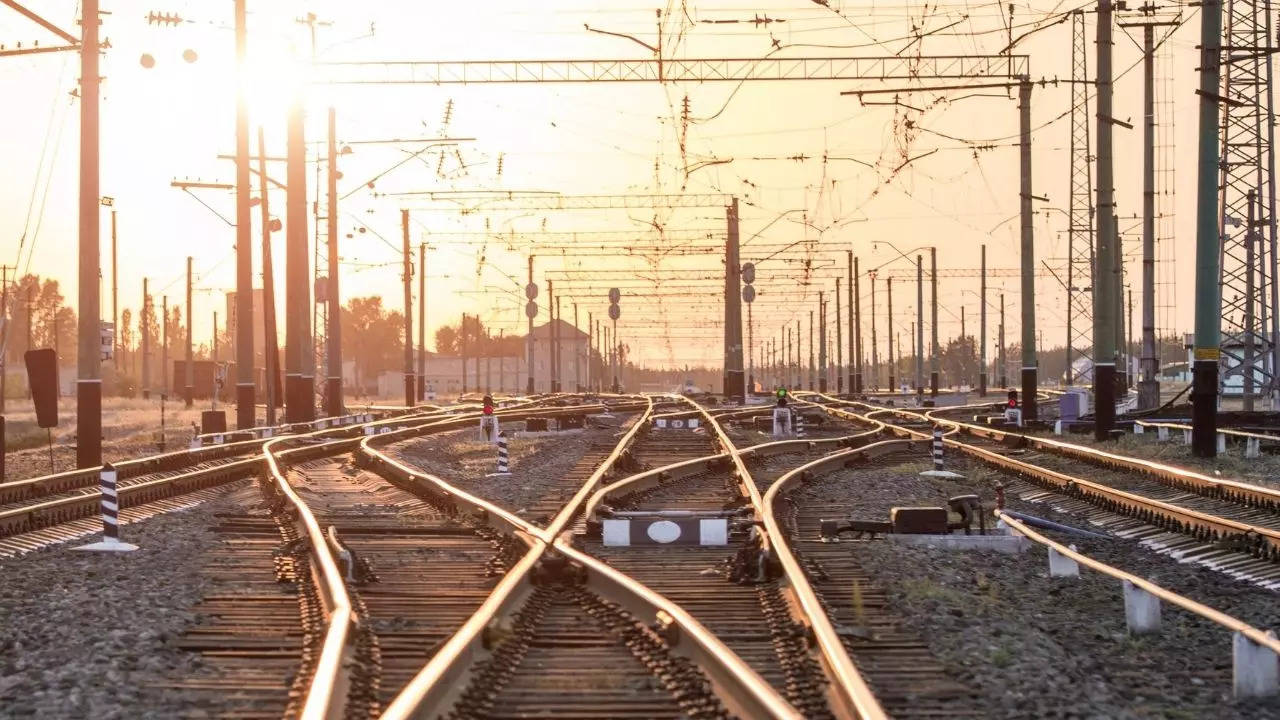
(488, 404)
(1013, 398)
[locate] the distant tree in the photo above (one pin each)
(375, 335)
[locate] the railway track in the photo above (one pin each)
(744, 591)
(1226, 525)
(566, 636)
(897, 647)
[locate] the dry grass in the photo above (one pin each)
(1231, 465)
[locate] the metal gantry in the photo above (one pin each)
(1248, 287)
(1079, 275)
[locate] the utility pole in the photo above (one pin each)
(246, 412)
(529, 338)
(271, 338)
(733, 380)
(551, 338)
(812, 378)
(1122, 345)
(214, 354)
(855, 328)
(839, 344)
(1104, 293)
(299, 395)
(408, 309)
(559, 355)
(89, 365)
(822, 343)
(875, 352)
(146, 343)
(888, 332)
(1030, 382)
(982, 328)
(333, 333)
(1004, 363)
(919, 330)
(4, 340)
(592, 334)
(422, 321)
(188, 390)
(1149, 384)
(164, 347)
(933, 324)
(115, 311)
(577, 352)
(786, 356)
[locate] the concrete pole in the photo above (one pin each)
(1028, 301)
(839, 344)
(299, 393)
(188, 390)
(407, 280)
(812, 374)
(333, 333)
(1104, 294)
(577, 353)
(888, 333)
(146, 343)
(528, 338)
(115, 310)
(875, 352)
(855, 328)
(271, 337)
(246, 412)
(591, 345)
(933, 324)
(918, 339)
(559, 319)
(89, 361)
(734, 381)
(751, 370)
(164, 346)
(1004, 362)
(552, 348)
(822, 343)
(982, 328)
(422, 321)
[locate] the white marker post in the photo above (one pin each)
(110, 516)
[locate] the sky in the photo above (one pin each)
(817, 173)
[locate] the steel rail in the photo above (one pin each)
(326, 691)
(1181, 478)
(1255, 635)
(851, 688)
(1261, 541)
(741, 688)
(654, 477)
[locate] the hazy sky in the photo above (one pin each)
(763, 142)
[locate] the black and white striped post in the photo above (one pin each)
(110, 515)
(504, 459)
(799, 424)
(938, 469)
(937, 448)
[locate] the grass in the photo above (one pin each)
(23, 435)
(1230, 465)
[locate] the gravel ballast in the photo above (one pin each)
(95, 634)
(1035, 646)
(538, 463)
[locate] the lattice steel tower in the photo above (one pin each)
(1080, 214)
(1248, 255)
